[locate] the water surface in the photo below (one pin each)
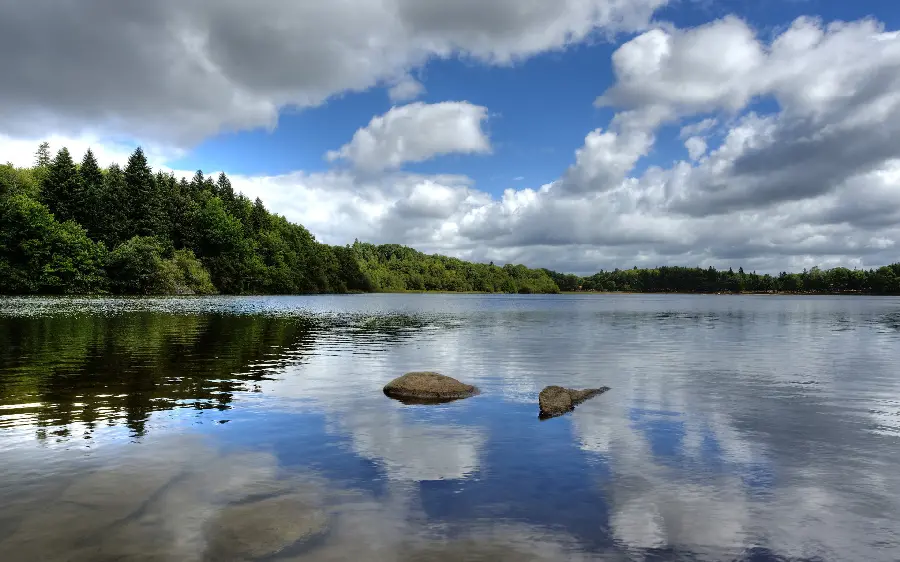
(737, 428)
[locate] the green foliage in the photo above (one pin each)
(40, 255)
(224, 250)
(391, 267)
(709, 280)
(146, 266)
(144, 204)
(135, 267)
(90, 195)
(174, 236)
(188, 275)
(114, 221)
(60, 186)
(16, 180)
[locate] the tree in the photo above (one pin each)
(18, 180)
(143, 202)
(259, 217)
(60, 186)
(198, 181)
(90, 196)
(224, 251)
(114, 220)
(42, 155)
(142, 266)
(224, 189)
(40, 255)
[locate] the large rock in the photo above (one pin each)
(426, 387)
(556, 400)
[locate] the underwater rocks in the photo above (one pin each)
(258, 529)
(556, 400)
(427, 387)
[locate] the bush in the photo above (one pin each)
(40, 255)
(139, 266)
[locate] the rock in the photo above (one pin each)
(426, 387)
(264, 528)
(556, 400)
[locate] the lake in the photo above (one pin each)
(736, 428)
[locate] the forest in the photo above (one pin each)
(73, 227)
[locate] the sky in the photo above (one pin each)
(576, 135)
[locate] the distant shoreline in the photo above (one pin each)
(599, 293)
(440, 292)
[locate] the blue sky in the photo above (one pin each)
(504, 156)
(540, 108)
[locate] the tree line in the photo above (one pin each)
(70, 227)
(673, 279)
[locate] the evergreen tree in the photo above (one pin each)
(60, 185)
(90, 196)
(144, 205)
(197, 182)
(224, 189)
(114, 208)
(42, 155)
(259, 216)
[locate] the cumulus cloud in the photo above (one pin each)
(837, 87)
(605, 159)
(696, 147)
(176, 72)
(813, 181)
(406, 89)
(709, 67)
(414, 133)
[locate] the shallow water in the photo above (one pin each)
(737, 428)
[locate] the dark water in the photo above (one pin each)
(737, 428)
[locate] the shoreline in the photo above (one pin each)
(435, 292)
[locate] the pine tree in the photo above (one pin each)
(259, 217)
(143, 201)
(197, 182)
(60, 185)
(224, 189)
(90, 196)
(42, 156)
(114, 205)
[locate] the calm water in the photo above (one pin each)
(737, 428)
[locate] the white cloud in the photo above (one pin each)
(717, 65)
(814, 182)
(605, 159)
(406, 89)
(188, 70)
(696, 147)
(698, 128)
(414, 133)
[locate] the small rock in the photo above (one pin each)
(556, 400)
(426, 387)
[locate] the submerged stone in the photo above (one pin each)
(556, 400)
(427, 387)
(264, 528)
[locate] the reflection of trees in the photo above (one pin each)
(96, 369)
(93, 369)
